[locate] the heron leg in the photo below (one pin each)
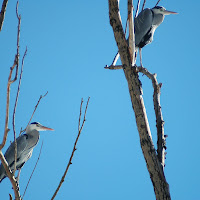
(115, 59)
(140, 51)
(136, 51)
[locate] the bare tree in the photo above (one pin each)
(155, 159)
(15, 68)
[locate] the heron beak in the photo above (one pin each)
(44, 128)
(167, 12)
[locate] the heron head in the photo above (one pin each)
(37, 126)
(161, 10)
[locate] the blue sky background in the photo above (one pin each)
(69, 43)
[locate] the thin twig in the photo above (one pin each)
(21, 131)
(41, 96)
(16, 100)
(74, 148)
(79, 121)
(10, 196)
(143, 4)
(137, 10)
(2, 13)
(157, 2)
(33, 170)
(161, 139)
(84, 118)
(18, 39)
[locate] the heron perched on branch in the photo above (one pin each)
(25, 145)
(145, 25)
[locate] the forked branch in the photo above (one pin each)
(80, 127)
(6, 130)
(18, 40)
(161, 138)
(10, 81)
(154, 167)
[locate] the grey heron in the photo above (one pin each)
(145, 25)
(25, 145)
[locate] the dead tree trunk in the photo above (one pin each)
(154, 164)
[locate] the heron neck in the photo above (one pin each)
(157, 19)
(33, 137)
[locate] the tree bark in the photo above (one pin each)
(161, 187)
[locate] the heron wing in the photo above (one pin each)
(9, 155)
(143, 24)
(21, 147)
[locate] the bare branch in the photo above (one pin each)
(18, 39)
(14, 111)
(7, 106)
(36, 107)
(117, 55)
(33, 170)
(161, 140)
(113, 67)
(79, 121)
(154, 167)
(157, 3)
(3, 160)
(143, 4)
(131, 37)
(74, 148)
(137, 10)
(10, 176)
(2, 13)
(16, 63)
(84, 118)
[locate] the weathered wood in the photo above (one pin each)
(161, 187)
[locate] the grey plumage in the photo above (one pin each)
(146, 23)
(25, 145)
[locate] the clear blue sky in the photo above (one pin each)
(69, 43)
